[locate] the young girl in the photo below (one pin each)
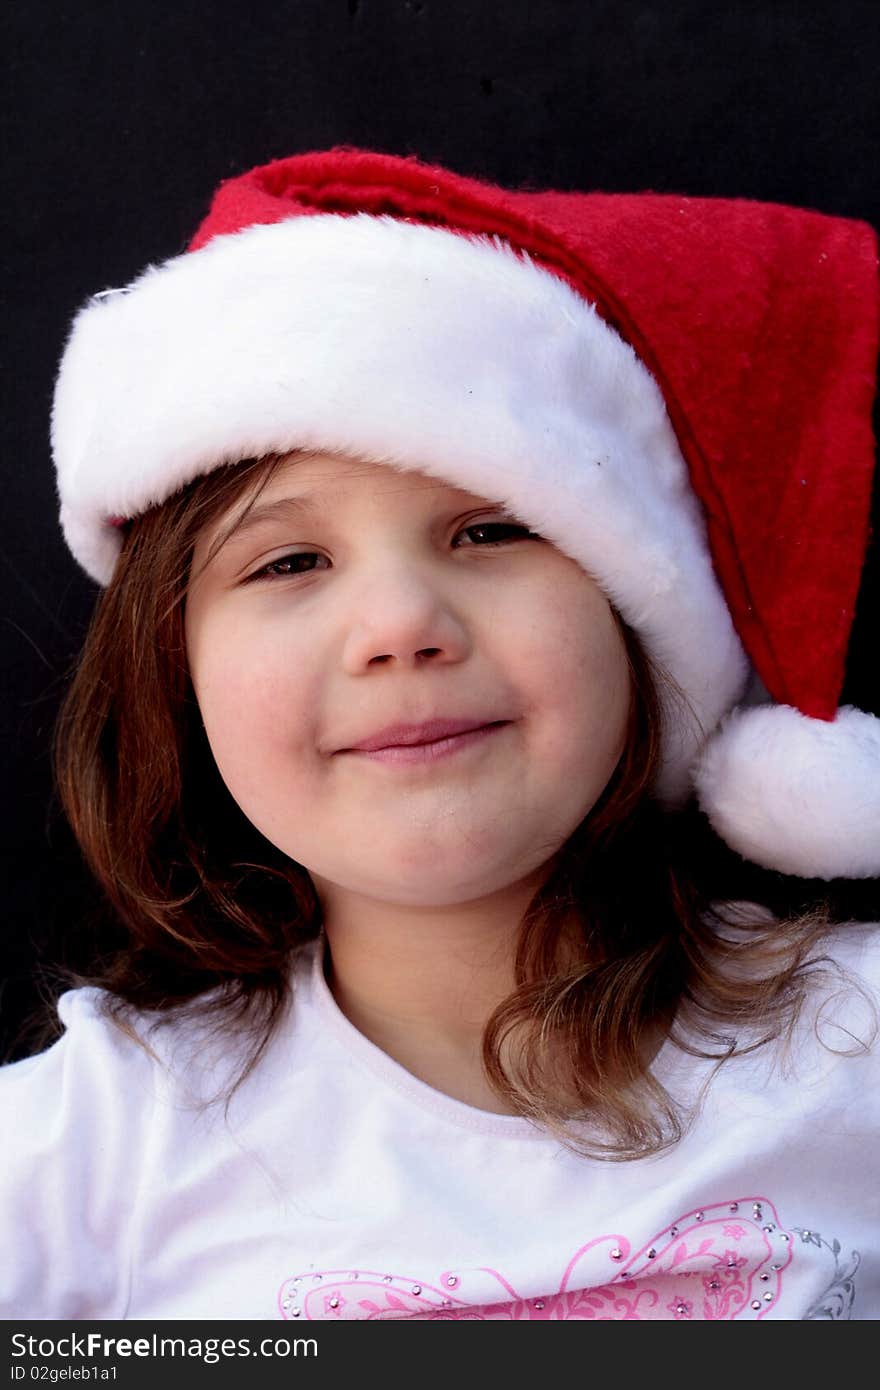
(452, 541)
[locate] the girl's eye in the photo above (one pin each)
(492, 532)
(287, 565)
(481, 533)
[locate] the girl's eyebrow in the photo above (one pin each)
(282, 509)
(303, 506)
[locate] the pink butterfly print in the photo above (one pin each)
(721, 1262)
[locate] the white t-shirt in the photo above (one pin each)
(339, 1186)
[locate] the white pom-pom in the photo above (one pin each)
(796, 794)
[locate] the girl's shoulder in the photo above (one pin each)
(849, 947)
(96, 1065)
(831, 1053)
(825, 1053)
(842, 1011)
(857, 946)
(846, 965)
(122, 1053)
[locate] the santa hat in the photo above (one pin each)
(676, 391)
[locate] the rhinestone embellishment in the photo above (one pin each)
(451, 1281)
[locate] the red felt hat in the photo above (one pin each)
(676, 391)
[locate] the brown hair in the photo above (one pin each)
(608, 959)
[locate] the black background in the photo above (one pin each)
(120, 120)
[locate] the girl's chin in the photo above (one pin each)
(422, 886)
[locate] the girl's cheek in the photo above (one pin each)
(587, 653)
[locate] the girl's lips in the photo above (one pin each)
(428, 731)
(408, 754)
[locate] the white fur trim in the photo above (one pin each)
(420, 348)
(796, 794)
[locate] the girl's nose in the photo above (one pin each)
(403, 618)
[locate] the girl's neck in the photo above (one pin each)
(422, 982)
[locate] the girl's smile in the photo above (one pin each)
(404, 688)
(408, 746)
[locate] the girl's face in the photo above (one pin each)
(364, 598)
